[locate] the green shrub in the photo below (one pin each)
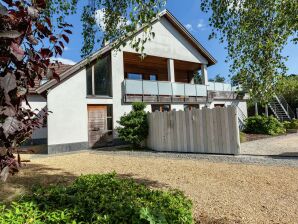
(263, 125)
(100, 199)
(291, 124)
(134, 125)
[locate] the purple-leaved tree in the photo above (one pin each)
(27, 42)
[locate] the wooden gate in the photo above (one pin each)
(97, 125)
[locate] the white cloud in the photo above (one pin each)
(201, 24)
(66, 48)
(64, 61)
(100, 19)
(189, 27)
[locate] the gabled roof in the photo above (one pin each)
(211, 60)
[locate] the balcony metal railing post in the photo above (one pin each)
(196, 93)
(172, 92)
(125, 91)
(158, 98)
(184, 94)
(142, 90)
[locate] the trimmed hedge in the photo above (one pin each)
(263, 125)
(100, 199)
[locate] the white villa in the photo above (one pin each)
(93, 94)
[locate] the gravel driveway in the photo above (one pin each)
(285, 145)
(222, 192)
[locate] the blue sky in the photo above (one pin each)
(189, 14)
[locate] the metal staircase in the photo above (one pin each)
(241, 115)
(281, 109)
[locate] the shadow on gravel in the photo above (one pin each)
(30, 176)
(286, 155)
(145, 181)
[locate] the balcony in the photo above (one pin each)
(175, 92)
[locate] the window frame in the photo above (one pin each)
(110, 95)
(161, 107)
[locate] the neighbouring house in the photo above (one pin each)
(93, 94)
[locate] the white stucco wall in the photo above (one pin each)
(241, 105)
(37, 103)
(68, 122)
(169, 43)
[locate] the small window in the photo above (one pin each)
(191, 106)
(135, 76)
(153, 77)
(219, 105)
(161, 107)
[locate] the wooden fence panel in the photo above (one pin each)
(197, 131)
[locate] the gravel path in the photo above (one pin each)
(285, 145)
(223, 189)
(242, 159)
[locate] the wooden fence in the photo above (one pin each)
(197, 131)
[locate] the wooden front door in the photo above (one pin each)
(97, 125)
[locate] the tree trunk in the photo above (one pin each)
(256, 109)
(266, 110)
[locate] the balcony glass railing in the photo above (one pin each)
(165, 88)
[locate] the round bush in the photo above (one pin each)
(263, 125)
(100, 199)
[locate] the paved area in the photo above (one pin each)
(286, 145)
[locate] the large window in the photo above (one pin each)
(99, 78)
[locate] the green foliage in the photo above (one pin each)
(118, 20)
(121, 19)
(218, 78)
(263, 125)
(293, 124)
(138, 106)
(134, 125)
(100, 199)
(288, 88)
(256, 32)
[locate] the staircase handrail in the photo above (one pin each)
(286, 106)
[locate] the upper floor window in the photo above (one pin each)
(135, 76)
(99, 78)
(153, 77)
